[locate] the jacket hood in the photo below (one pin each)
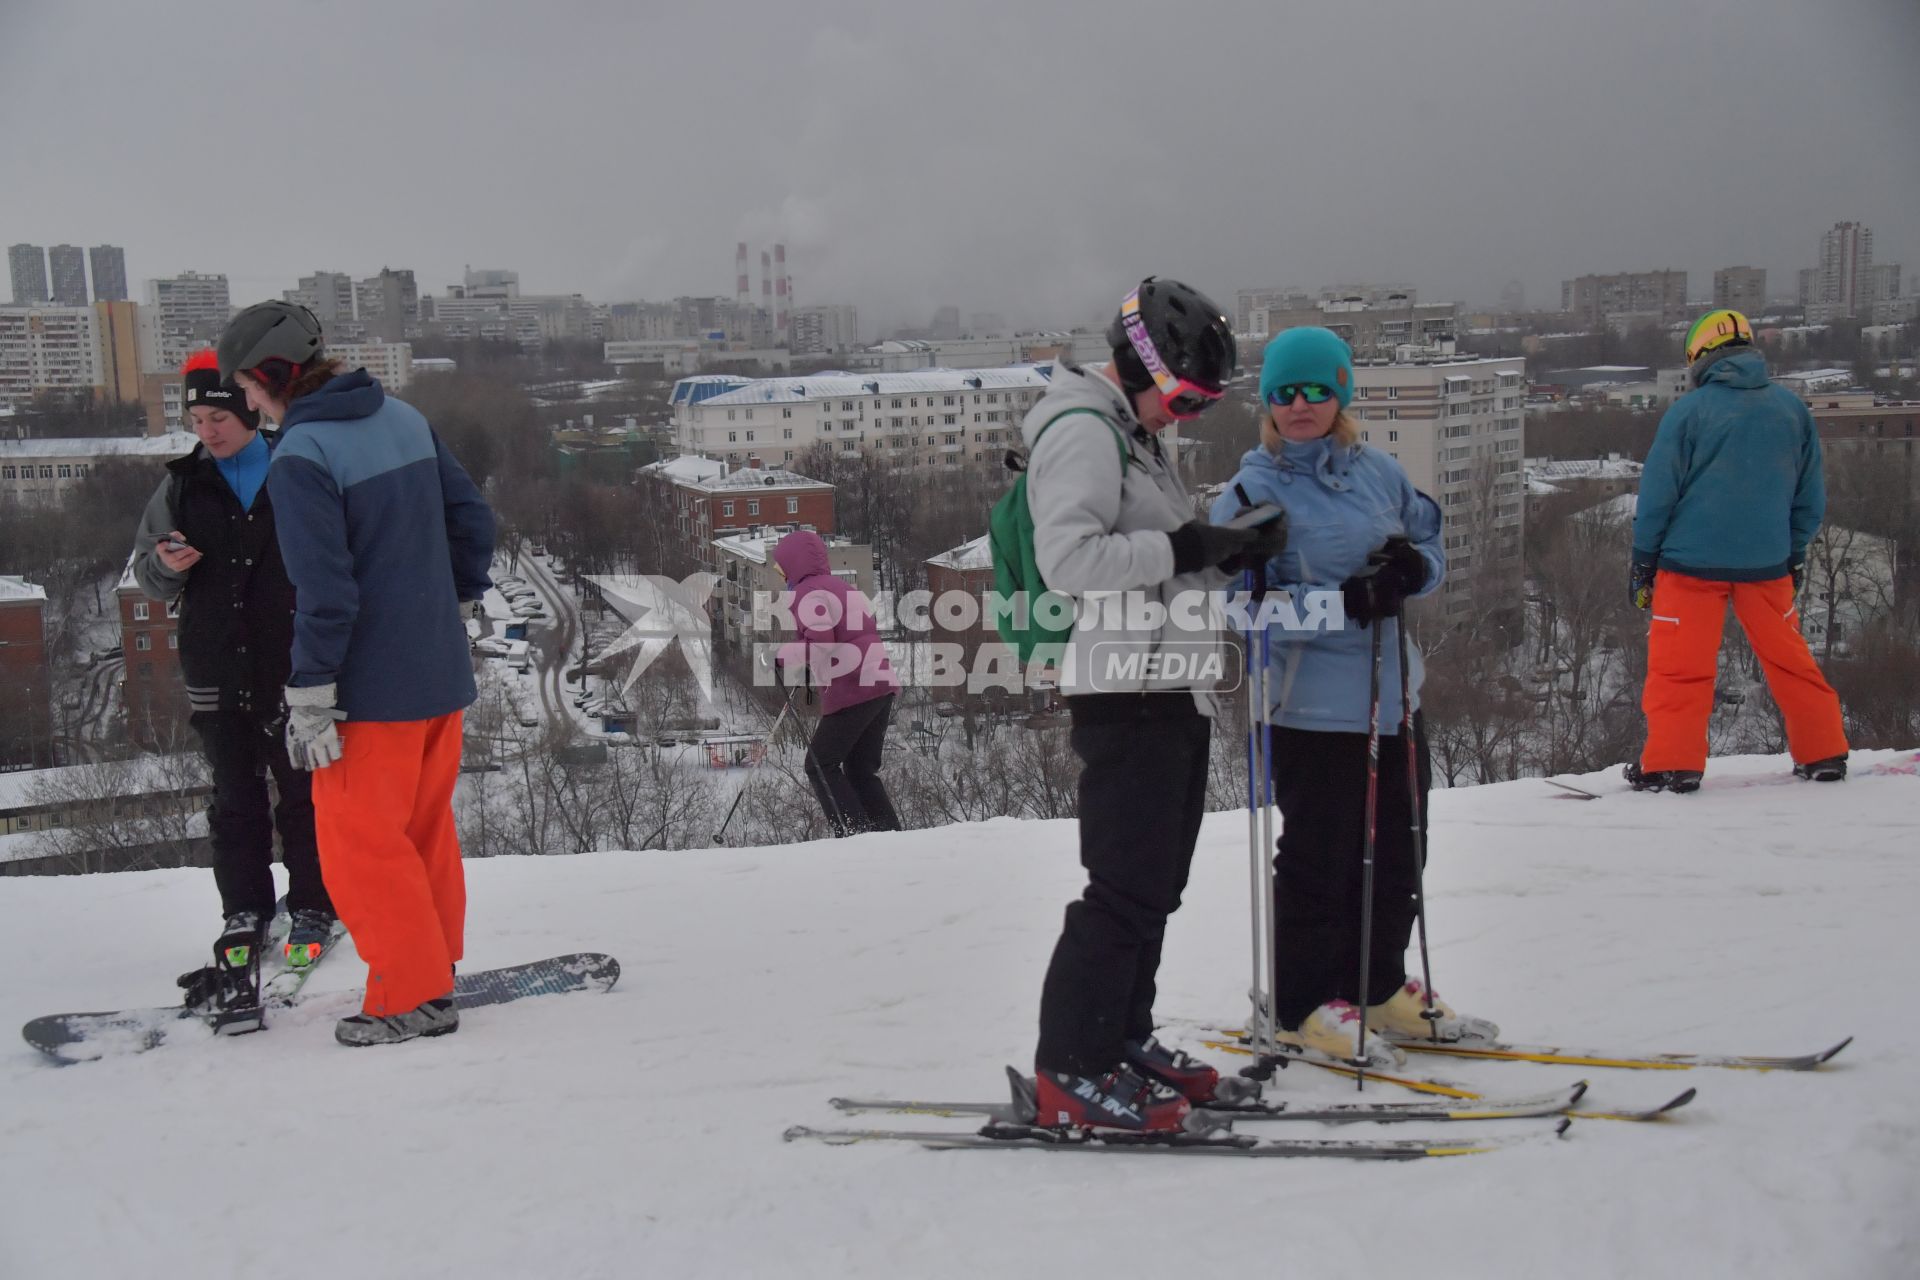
(801, 554)
(1073, 387)
(351, 395)
(1742, 368)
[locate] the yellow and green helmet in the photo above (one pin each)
(1717, 329)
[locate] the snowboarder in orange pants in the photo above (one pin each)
(1731, 496)
(385, 538)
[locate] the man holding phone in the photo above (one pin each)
(1113, 525)
(207, 539)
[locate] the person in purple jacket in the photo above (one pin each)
(839, 646)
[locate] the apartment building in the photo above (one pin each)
(929, 420)
(1458, 427)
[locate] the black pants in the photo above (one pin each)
(1143, 791)
(1320, 782)
(241, 819)
(843, 764)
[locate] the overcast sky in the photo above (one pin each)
(1032, 157)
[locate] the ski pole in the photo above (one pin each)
(1366, 857)
(772, 733)
(1258, 996)
(1414, 838)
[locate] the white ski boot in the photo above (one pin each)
(1333, 1028)
(1403, 1016)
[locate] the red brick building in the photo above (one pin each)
(707, 499)
(152, 691)
(26, 679)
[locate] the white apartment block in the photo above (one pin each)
(45, 470)
(183, 313)
(1458, 427)
(935, 419)
(48, 348)
(390, 362)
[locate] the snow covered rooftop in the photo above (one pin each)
(688, 468)
(1613, 467)
(760, 478)
(794, 390)
(171, 445)
(15, 589)
(977, 554)
(758, 546)
(1541, 489)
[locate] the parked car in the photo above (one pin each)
(492, 647)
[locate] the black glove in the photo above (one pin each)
(1197, 544)
(1640, 582)
(1391, 574)
(1799, 571)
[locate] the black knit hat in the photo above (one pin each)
(202, 385)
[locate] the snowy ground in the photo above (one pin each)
(637, 1133)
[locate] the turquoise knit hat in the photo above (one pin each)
(1308, 355)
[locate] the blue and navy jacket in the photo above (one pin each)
(1732, 489)
(385, 536)
(1342, 503)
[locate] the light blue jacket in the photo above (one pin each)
(1732, 489)
(1342, 503)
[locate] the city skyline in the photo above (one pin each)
(1485, 143)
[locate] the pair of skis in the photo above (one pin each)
(1012, 1124)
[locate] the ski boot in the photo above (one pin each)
(432, 1018)
(1191, 1078)
(1332, 1029)
(1403, 1016)
(307, 937)
(1119, 1099)
(1678, 781)
(1832, 769)
(227, 992)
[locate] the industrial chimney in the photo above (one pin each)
(780, 293)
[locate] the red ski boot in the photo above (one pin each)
(1119, 1099)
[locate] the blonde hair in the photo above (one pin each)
(1345, 430)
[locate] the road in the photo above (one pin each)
(555, 640)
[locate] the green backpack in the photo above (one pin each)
(1032, 619)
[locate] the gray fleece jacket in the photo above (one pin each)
(1100, 535)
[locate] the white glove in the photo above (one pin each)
(312, 740)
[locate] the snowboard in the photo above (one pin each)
(83, 1037)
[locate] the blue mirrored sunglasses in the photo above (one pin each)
(1315, 392)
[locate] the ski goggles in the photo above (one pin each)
(1716, 329)
(1184, 399)
(1315, 392)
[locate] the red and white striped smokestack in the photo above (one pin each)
(766, 284)
(780, 292)
(742, 288)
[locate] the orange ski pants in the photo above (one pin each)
(1683, 650)
(391, 857)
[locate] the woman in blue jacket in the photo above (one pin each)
(1357, 527)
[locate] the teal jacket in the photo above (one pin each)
(1732, 489)
(1341, 504)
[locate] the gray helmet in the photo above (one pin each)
(268, 331)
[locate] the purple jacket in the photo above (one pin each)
(839, 641)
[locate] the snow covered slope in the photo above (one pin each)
(638, 1133)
